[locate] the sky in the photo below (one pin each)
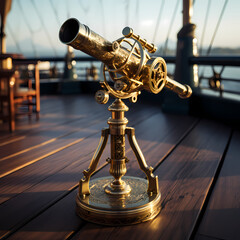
(33, 25)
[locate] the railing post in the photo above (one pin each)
(186, 48)
(69, 75)
(69, 68)
(185, 73)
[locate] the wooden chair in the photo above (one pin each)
(17, 91)
(7, 81)
(24, 93)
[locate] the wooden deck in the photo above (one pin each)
(197, 162)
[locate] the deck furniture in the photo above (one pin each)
(7, 81)
(16, 90)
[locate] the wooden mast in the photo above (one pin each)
(187, 11)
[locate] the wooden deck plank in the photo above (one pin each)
(40, 147)
(222, 216)
(184, 180)
(203, 237)
(30, 175)
(40, 172)
(30, 155)
(163, 125)
(46, 134)
(53, 229)
(41, 201)
(7, 186)
(58, 120)
(18, 152)
(50, 106)
(50, 184)
(55, 110)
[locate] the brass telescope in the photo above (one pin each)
(139, 71)
(120, 200)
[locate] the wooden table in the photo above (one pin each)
(196, 160)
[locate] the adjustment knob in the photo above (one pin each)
(102, 96)
(120, 85)
(128, 33)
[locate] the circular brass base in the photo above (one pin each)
(102, 208)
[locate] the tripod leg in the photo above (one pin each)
(84, 182)
(152, 180)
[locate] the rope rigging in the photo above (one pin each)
(170, 28)
(103, 18)
(85, 8)
(14, 39)
(213, 38)
(137, 15)
(32, 32)
(68, 9)
(127, 12)
(217, 26)
(44, 27)
(204, 27)
(158, 20)
(55, 12)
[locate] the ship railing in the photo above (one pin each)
(212, 71)
(218, 75)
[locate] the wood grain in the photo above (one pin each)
(40, 148)
(222, 217)
(53, 112)
(184, 179)
(166, 124)
(42, 136)
(38, 201)
(203, 237)
(17, 151)
(21, 180)
(50, 178)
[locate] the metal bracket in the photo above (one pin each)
(84, 182)
(152, 180)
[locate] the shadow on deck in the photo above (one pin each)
(196, 160)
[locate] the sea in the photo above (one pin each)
(230, 77)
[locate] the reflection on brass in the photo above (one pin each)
(120, 200)
(84, 183)
(152, 180)
(92, 73)
(101, 208)
(126, 59)
(128, 32)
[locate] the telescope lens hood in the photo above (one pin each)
(69, 30)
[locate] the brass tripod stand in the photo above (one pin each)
(120, 200)
(117, 201)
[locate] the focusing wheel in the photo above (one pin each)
(157, 74)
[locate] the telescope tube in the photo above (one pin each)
(80, 37)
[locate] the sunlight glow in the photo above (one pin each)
(147, 22)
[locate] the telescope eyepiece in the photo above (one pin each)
(69, 30)
(127, 32)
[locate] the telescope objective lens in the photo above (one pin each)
(69, 30)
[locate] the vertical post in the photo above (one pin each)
(187, 11)
(37, 88)
(184, 72)
(11, 107)
(117, 126)
(2, 39)
(5, 6)
(69, 69)
(69, 75)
